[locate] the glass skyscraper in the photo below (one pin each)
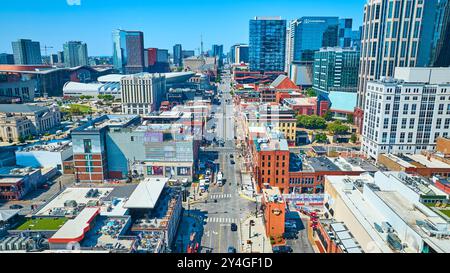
(178, 55)
(336, 69)
(128, 51)
(267, 44)
(26, 52)
(312, 33)
(75, 54)
(441, 43)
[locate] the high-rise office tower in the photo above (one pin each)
(54, 58)
(217, 51)
(239, 54)
(441, 41)
(356, 39)
(290, 36)
(395, 34)
(345, 32)
(308, 34)
(61, 57)
(336, 69)
(6, 58)
(27, 52)
(128, 51)
(75, 54)
(178, 55)
(267, 44)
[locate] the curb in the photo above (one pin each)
(246, 197)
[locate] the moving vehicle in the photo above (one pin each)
(234, 227)
(232, 162)
(219, 179)
(282, 249)
(231, 249)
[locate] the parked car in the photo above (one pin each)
(282, 249)
(231, 249)
(232, 162)
(234, 227)
(16, 207)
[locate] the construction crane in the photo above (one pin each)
(45, 48)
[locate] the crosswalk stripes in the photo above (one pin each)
(219, 196)
(220, 220)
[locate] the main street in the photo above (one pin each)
(224, 206)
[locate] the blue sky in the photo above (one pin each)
(164, 22)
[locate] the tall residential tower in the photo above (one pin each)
(395, 34)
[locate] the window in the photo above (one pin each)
(87, 143)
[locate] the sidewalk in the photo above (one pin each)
(195, 195)
(260, 242)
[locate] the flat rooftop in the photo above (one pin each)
(412, 216)
(10, 180)
(105, 233)
(273, 194)
(76, 194)
(16, 170)
(268, 140)
(428, 162)
(48, 147)
(75, 229)
(320, 164)
(101, 122)
(301, 101)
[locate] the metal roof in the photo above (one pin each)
(7, 214)
(146, 194)
(20, 108)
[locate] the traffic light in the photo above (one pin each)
(252, 223)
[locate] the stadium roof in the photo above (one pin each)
(170, 77)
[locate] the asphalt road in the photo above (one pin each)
(230, 207)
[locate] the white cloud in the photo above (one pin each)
(73, 2)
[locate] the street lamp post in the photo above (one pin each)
(256, 206)
(264, 242)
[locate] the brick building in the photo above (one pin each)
(274, 214)
(427, 166)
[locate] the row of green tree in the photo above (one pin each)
(100, 97)
(315, 122)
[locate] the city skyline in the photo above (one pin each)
(75, 22)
